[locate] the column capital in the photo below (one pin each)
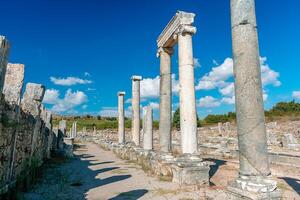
(136, 78)
(185, 29)
(168, 50)
(121, 93)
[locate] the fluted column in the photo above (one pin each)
(121, 124)
(188, 115)
(165, 106)
(136, 109)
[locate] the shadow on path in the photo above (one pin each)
(131, 195)
(294, 183)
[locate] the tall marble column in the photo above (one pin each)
(252, 141)
(165, 106)
(121, 124)
(188, 115)
(148, 129)
(4, 46)
(136, 109)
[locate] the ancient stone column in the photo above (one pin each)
(148, 131)
(248, 90)
(252, 140)
(188, 115)
(165, 106)
(121, 124)
(136, 109)
(4, 46)
(73, 133)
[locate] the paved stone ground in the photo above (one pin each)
(96, 174)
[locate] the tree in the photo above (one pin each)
(176, 119)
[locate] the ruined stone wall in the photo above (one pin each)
(25, 126)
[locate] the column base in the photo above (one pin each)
(166, 156)
(189, 169)
(254, 188)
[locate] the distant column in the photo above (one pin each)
(121, 124)
(136, 109)
(188, 115)
(165, 106)
(148, 132)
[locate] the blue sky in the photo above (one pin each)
(84, 52)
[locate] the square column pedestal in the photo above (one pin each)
(254, 188)
(190, 170)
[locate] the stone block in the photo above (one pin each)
(13, 83)
(253, 188)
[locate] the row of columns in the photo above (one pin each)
(248, 94)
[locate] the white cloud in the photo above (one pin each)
(113, 112)
(208, 102)
(220, 78)
(197, 63)
(109, 112)
(51, 96)
(154, 105)
(227, 90)
(296, 94)
(268, 76)
(217, 76)
(150, 87)
(228, 100)
(69, 102)
(69, 81)
(86, 74)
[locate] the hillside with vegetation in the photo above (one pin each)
(282, 111)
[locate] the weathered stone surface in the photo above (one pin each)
(13, 83)
(136, 109)
(62, 130)
(68, 147)
(148, 129)
(4, 47)
(165, 105)
(252, 139)
(32, 99)
(121, 121)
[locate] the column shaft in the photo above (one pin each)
(121, 118)
(165, 117)
(136, 110)
(188, 119)
(148, 132)
(248, 90)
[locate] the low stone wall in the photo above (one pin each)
(160, 165)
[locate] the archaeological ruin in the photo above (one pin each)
(250, 149)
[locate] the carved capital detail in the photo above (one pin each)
(182, 22)
(186, 29)
(168, 50)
